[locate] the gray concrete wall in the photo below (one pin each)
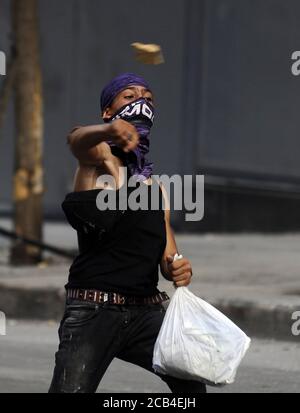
(249, 106)
(227, 102)
(6, 134)
(84, 44)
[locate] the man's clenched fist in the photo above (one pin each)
(123, 134)
(180, 271)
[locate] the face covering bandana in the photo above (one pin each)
(139, 113)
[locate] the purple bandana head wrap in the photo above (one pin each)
(140, 113)
(119, 83)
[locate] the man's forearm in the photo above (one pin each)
(86, 137)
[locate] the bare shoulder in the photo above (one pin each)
(166, 201)
(164, 191)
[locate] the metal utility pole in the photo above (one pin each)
(28, 170)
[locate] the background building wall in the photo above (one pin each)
(227, 103)
(83, 45)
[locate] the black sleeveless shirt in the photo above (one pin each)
(119, 250)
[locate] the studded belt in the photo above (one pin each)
(101, 297)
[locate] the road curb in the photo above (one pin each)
(260, 321)
(39, 304)
(257, 321)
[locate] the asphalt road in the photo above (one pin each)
(27, 356)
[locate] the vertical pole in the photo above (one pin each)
(28, 170)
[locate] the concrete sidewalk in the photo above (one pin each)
(254, 279)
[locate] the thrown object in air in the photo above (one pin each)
(149, 54)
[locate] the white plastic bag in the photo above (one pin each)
(197, 342)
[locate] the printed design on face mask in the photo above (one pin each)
(140, 108)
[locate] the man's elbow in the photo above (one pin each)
(72, 137)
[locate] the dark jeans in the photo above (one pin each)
(91, 335)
